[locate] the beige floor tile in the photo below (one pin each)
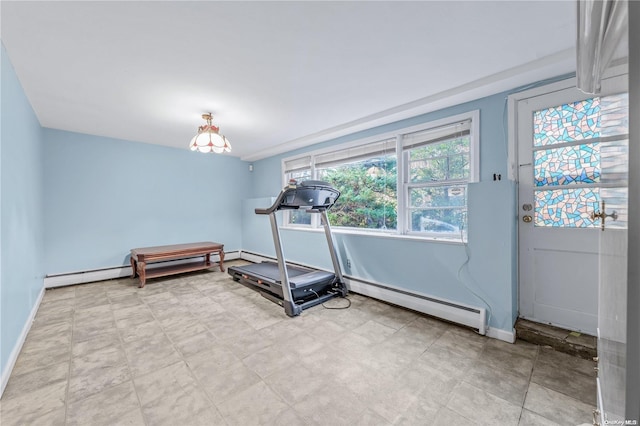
(374, 307)
(353, 346)
(405, 345)
(93, 321)
(328, 361)
(97, 370)
(114, 406)
(483, 407)
(89, 300)
(374, 331)
(556, 406)
(59, 293)
(381, 393)
(132, 315)
(51, 337)
(270, 360)
(138, 332)
(326, 331)
(333, 404)
(301, 344)
(221, 374)
(23, 382)
(566, 381)
(438, 384)
(451, 363)
(282, 331)
(184, 327)
(371, 418)
(528, 418)
(498, 382)
(520, 347)
(247, 343)
(255, 405)
(350, 318)
(397, 317)
(169, 316)
(288, 417)
(225, 325)
(55, 316)
(35, 359)
(451, 339)
(191, 345)
(296, 382)
(423, 329)
(515, 364)
(172, 396)
(25, 408)
(448, 417)
(120, 300)
(150, 354)
(110, 338)
(420, 412)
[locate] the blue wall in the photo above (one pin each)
(105, 196)
(437, 268)
(21, 211)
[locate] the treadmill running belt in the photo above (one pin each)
(298, 277)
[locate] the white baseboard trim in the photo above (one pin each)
(81, 277)
(256, 257)
(13, 357)
(504, 335)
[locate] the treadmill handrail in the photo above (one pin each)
(286, 192)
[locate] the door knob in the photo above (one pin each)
(602, 215)
(527, 218)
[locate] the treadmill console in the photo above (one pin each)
(314, 194)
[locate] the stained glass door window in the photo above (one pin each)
(577, 149)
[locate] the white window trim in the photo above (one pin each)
(401, 230)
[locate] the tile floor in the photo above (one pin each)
(201, 349)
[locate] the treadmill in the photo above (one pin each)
(293, 287)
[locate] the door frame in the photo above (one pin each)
(511, 108)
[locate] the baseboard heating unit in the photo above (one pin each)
(469, 316)
(82, 277)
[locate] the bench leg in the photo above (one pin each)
(141, 272)
(133, 267)
(221, 261)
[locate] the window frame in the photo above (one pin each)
(403, 186)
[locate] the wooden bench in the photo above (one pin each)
(140, 257)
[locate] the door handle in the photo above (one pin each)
(602, 215)
(527, 218)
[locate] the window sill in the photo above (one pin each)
(380, 234)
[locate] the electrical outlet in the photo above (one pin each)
(348, 263)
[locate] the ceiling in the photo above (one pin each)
(276, 75)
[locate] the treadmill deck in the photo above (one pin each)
(265, 276)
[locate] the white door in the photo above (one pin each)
(612, 325)
(612, 290)
(567, 142)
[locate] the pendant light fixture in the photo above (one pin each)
(209, 139)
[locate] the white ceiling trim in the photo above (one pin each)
(530, 72)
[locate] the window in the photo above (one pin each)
(300, 170)
(438, 170)
(579, 159)
(421, 191)
(367, 178)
